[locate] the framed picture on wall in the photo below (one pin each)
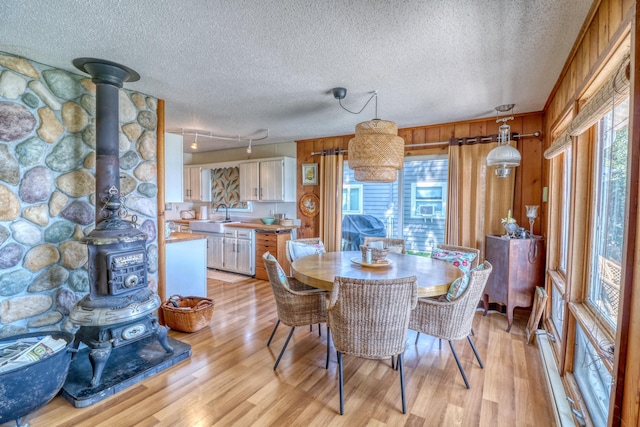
(310, 174)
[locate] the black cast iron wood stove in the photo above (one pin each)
(118, 309)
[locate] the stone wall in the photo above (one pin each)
(47, 186)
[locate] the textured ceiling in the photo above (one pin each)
(237, 66)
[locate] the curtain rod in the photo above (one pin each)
(425, 144)
(494, 138)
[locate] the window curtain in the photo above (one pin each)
(614, 91)
(477, 199)
(331, 166)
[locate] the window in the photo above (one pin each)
(412, 208)
(593, 378)
(609, 212)
(351, 199)
(428, 199)
(566, 207)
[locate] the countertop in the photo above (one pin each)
(183, 237)
(254, 225)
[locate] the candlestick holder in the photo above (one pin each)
(532, 214)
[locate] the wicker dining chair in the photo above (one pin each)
(369, 319)
(452, 320)
(297, 304)
(387, 242)
(472, 264)
(314, 245)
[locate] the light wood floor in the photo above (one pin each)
(229, 380)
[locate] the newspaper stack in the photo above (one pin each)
(22, 352)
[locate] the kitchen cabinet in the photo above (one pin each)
(173, 168)
(518, 267)
(215, 251)
(239, 251)
(186, 267)
(276, 244)
(197, 184)
(269, 180)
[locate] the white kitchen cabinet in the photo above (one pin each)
(215, 251)
(197, 184)
(268, 180)
(173, 168)
(186, 268)
(239, 251)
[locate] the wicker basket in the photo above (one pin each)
(187, 314)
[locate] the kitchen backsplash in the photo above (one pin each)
(258, 210)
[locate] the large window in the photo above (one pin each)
(413, 207)
(609, 212)
(565, 209)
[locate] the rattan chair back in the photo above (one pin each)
(295, 307)
(451, 320)
(369, 318)
(386, 241)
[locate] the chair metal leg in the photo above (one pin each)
(273, 332)
(475, 351)
(340, 381)
(455, 355)
(326, 366)
(440, 344)
(310, 328)
(417, 337)
(473, 333)
(284, 347)
(393, 363)
(319, 330)
(404, 401)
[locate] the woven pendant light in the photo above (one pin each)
(376, 153)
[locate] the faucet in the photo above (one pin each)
(226, 211)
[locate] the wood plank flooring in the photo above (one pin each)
(229, 380)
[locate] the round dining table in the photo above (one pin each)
(319, 270)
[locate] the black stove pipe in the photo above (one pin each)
(108, 77)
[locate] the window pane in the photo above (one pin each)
(557, 311)
(609, 211)
(593, 378)
(566, 205)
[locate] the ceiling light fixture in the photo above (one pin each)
(194, 144)
(504, 157)
(376, 153)
(249, 147)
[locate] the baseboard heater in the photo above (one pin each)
(561, 409)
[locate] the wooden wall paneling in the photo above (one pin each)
(615, 14)
(419, 136)
(603, 26)
(434, 134)
(593, 47)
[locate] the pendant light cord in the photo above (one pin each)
(374, 94)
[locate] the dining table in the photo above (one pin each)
(319, 270)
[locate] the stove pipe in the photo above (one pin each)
(108, 77)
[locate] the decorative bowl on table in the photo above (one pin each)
(267, 221)
(377, 255)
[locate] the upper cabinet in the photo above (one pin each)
(268, 180)
(173, 168)
(197, 184)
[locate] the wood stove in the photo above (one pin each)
(119, 307)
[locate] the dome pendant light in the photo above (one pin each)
(504, 157)
(376, 153)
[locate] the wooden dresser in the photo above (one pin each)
(518, 267)
(275, 243)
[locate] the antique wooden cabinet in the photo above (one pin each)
(518, 267)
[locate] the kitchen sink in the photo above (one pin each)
(210, 226)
